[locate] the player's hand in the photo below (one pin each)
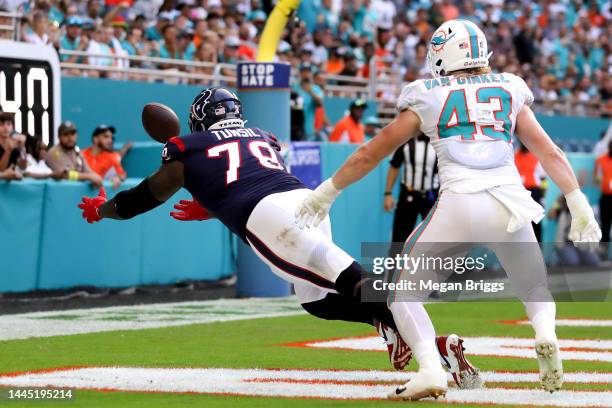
(316, 206)
(389, 203)
(584, 230)
(190, 210)
(90, 206)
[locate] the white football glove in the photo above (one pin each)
(584, 230)
(316, 205)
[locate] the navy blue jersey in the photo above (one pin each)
(229, 171)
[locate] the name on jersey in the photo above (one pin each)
(229, 133)
(474, 79)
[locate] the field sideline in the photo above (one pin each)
(291, 344)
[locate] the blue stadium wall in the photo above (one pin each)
(46, 245)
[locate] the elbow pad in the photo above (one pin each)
(135, 201)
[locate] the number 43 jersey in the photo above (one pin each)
(470, 121)
(230, 170)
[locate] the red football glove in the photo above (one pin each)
(90, 206)
(190, 210)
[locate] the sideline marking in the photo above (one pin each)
(79, 321)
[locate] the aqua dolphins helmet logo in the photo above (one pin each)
(440, 38)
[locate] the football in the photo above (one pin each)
(160, 122)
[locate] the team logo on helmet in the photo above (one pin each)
(440, 38)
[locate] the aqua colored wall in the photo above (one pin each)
(47, 245)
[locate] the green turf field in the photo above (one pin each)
(262, 343)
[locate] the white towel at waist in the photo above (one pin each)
(517, 199)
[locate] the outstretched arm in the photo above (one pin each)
(316, 206)
(152, 192)
(403, 128)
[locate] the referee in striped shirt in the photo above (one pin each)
(419, 185)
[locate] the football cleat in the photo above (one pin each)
(451, 349)
(399, 352)
(551, 367)
(430, 382)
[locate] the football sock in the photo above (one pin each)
(338, 307)
(542, 318)
(354, 282)
(415, 327)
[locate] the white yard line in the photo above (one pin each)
(576, 322)
(301, 383)
(571, 349)
(67, 322)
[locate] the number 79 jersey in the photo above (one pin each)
(230, 170)
(470, 121)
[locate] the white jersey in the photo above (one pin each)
(470, 120)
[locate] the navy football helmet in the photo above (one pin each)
(213, 105)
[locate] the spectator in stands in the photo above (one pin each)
(311, 96)
(102, 159)
(246, 50)
(567, 252)
(94, 11)
(230, 51)
(533, 176)
(322, 125)
(37, 167)
(40, 27)
(199, 32)
(9, 148)
(99, 45)
(73, 40)
(335, 62)
(372, 126)
(134, 44)
(603, 176)
(66, 159)
(206, 53)
(351, 67)
(350, 129)
(169, 46)
(154, 33)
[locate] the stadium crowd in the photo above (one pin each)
(561, 47)
(25, 156)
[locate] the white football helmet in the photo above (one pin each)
(455, 45)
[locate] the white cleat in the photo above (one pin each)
(430, 382)
(451, 349)
(551, 367)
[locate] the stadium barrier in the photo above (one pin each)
(47, 245)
